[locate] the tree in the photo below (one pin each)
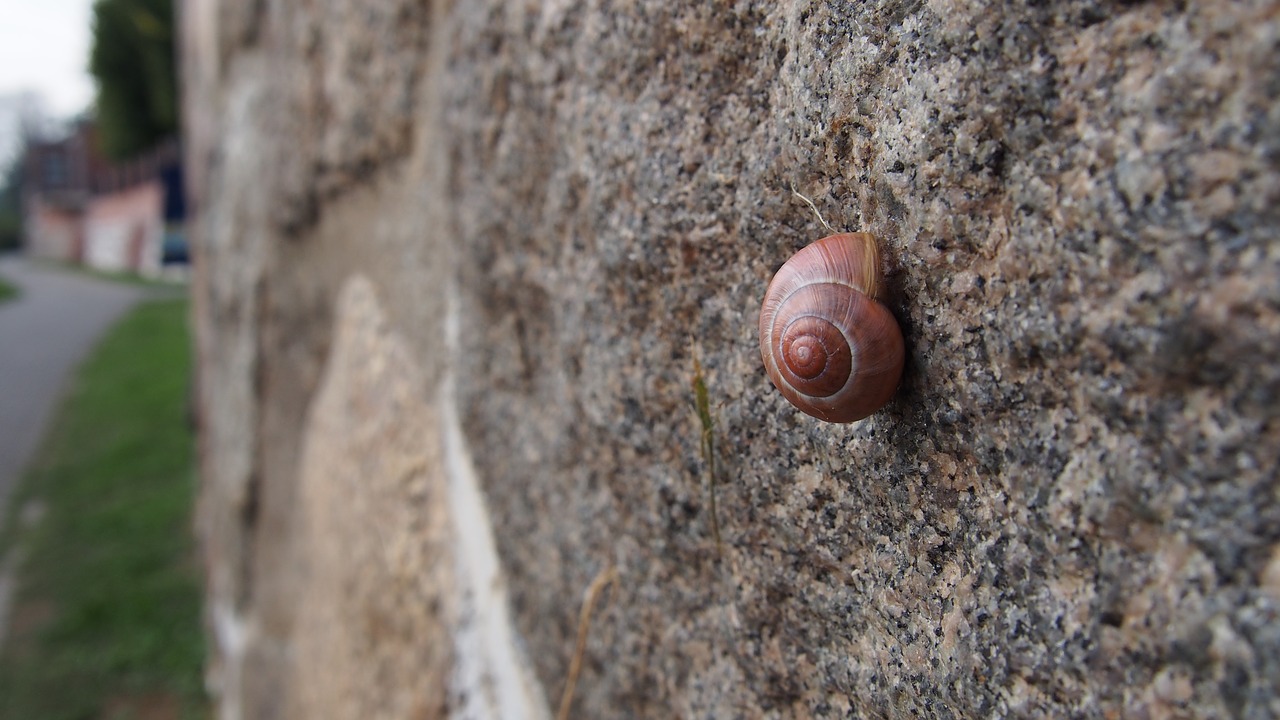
(11, 205)
(133, 62)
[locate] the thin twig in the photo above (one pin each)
(702, 404)
(603, 578)
(813, 207)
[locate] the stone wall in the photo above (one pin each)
(456, 260)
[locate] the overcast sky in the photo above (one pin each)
(44, 47)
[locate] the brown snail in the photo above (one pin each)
(828, 343)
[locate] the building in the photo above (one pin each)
(79, 207)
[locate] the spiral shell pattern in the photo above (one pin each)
(828, 344)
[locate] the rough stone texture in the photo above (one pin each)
(1071, 508)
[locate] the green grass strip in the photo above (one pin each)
(106, 618)
(7, 291)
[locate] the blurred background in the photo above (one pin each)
(88, 134)
(99, 600)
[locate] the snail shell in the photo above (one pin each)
(828, 344)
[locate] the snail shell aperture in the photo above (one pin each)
(832, 348)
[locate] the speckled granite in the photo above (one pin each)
(1071, 509)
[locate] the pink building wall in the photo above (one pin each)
(124, 229)
(83, 208)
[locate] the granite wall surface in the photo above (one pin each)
(456, 260)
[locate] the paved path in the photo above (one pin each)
(44, 334)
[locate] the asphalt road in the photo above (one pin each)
(44, 334)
